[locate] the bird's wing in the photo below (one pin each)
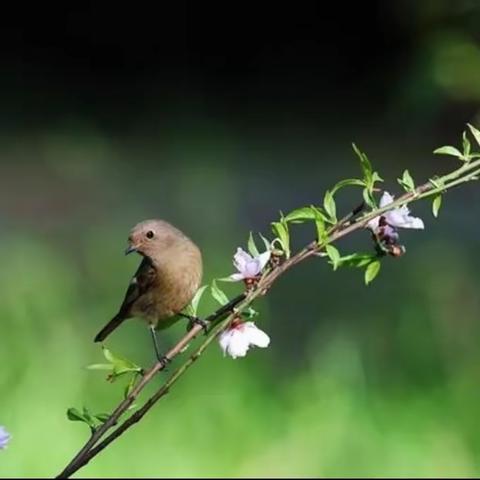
(139, 285)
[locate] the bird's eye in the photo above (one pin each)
(150, 234)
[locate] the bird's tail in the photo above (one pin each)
(110, 327)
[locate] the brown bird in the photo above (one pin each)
(166, 280)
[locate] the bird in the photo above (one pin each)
(165, 282)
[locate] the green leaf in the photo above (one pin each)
(249, 313)
(102, 417)
(330, 207)
(357, 260)
(75, 415)
(437, 203)
(193, 307)
(300, 215)
(120, 365)
(265, 241)
(437, 182)
(369, 198)
(334, 255)
(88, 416)
(475, 133)
(218, 294)
(281, 230)
(449, 150)
(346, 182)
(407, 181)
(252, 248)
(130, 386)
(321, 230)
(466, 146)
(372, 271)
(365, 164)
(376, 178)
(100, 366)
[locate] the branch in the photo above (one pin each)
(345, 226)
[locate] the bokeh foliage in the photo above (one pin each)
(374, 381)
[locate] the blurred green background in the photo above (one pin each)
(215, 119)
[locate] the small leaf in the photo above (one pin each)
(193, 307)
(369, 199)
(88, 416)
(129, 387)
(120, 365)
(346, 182)
(437, 203)
(437, 182)
(102, 417)
(218, 294)
(252, 248)
(466, 146)
(376, 178)
(281, 229)
(100, 366)
(372, 271)
(300, 215)
(334, 255)
(75, 415)
(266, 242)
(475, 133)
(330, 207)
(449, 150)
(249, 313)
(321, 230)
(407, 181)
(357, 260)
(365, 164)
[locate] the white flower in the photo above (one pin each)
(4, 438)
(248, 266)
(396, 218)
(237, 339)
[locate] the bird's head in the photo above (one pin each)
(152, 237)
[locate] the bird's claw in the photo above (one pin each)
(164, 361)
(197, 321)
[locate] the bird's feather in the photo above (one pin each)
(139, 285)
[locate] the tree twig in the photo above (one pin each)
(342, 228)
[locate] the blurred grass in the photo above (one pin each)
(398, 400)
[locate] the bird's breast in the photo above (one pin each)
(175, 285)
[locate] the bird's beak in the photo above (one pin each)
(130, 249)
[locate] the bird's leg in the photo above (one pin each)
(161, 358)
(192, 320)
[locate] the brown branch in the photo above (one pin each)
(147, 377)
(342, 228)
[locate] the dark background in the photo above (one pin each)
(216, 117)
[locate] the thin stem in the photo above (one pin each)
(127, 402)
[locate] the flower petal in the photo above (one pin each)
(386, 199)
(373, 223)
(252, 269)
(414, 222)
(256, 336)
(400, 218)
(224, 340)
(263, 259)
(234, 342)
(240, 259)
(236, 277)
(395, 218)
(4, 437)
